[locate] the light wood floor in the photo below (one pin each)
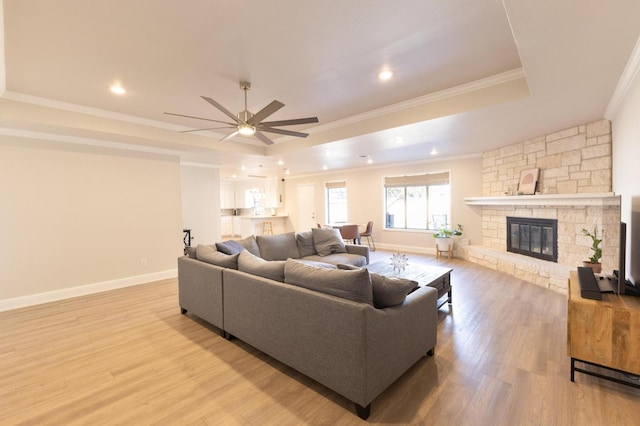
(129, 357)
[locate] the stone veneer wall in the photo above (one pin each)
(575, 160)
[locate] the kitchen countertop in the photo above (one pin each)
(251, 216)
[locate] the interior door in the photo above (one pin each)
(306, 207)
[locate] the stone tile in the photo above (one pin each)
(567, 144)
(562, 134)
(598, 128)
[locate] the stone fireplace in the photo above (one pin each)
(575, 186)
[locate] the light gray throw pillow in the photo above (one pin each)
(351, 285)
(304, 240)
(211, 255)
(272, 269)
(250, 244)
(327, 241)
(278, 247)
(387, 291)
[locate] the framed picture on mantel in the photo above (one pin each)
(528, 180)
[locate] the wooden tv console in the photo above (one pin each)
(603, 333)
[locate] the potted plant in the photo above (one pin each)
(594, 260)
(444, 237)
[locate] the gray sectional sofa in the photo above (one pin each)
(345, 328)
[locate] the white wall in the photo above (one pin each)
(365, 198)
(201, 203)
(76, 216)
(626, 172)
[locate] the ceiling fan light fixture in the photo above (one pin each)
(246, 130)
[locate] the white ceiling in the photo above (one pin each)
(470, 75)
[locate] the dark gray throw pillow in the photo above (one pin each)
(351, 285)
(209, 254)
(229, 247)
(327, 241)
(387, 291)
(278, 247)
(272, 269)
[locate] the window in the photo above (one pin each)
(336, 201)
(417, 202)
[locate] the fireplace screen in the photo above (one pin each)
(533, 237)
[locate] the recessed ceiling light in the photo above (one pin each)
(324, 167)
(369, 161)
(243, 168)
(117, 89)
(399, 139)
(286, 171)
(385, 75)
(280, 162)
(434, 151)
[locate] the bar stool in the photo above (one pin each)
(267, 228)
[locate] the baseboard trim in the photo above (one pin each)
(67, 293)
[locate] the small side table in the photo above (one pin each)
(439, 252)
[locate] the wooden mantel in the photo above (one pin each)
(544, 200)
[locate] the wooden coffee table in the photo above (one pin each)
(437, 277)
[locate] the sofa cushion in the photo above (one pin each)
(317, 264)
(272, 269)
(229, 247)
(387, 291)
(336, 258)
(209, 254)
(278, 247)
(250, 244)
(304, 241)
(352, 285)
(190, 252)
(327, 241)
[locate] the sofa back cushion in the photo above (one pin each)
(250, 244)
(387, 291)
(272, 269)
(304, 240)
(327, 241)
(352, 285)
(209, 254)
(278, 247)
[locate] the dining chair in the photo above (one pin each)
(350, 233)
(367, 233)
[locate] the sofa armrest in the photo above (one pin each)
(397, 337)
(359, 250)
(200, 290)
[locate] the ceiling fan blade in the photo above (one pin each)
(283, 132)
(265, 112)
(200, 118)
(290, 122)
(230, 135)
(208, 128)
(221, 108)
(263, 138)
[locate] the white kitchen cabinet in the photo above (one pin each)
(226, 225)
(227, 196)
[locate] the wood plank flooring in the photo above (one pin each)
(129, 357)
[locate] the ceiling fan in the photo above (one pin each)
(247, 123)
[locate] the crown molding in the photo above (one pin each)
(627, 79)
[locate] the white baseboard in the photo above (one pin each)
(83, 290)
(406, 249)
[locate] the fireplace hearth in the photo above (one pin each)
(533, 237)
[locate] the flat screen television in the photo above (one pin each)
(624, 286)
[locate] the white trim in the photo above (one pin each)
(83, 290)
(627, 80)
(603, 199)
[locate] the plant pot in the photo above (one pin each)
(597, 267)
(444, 244)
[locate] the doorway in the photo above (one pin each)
(306, 207)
